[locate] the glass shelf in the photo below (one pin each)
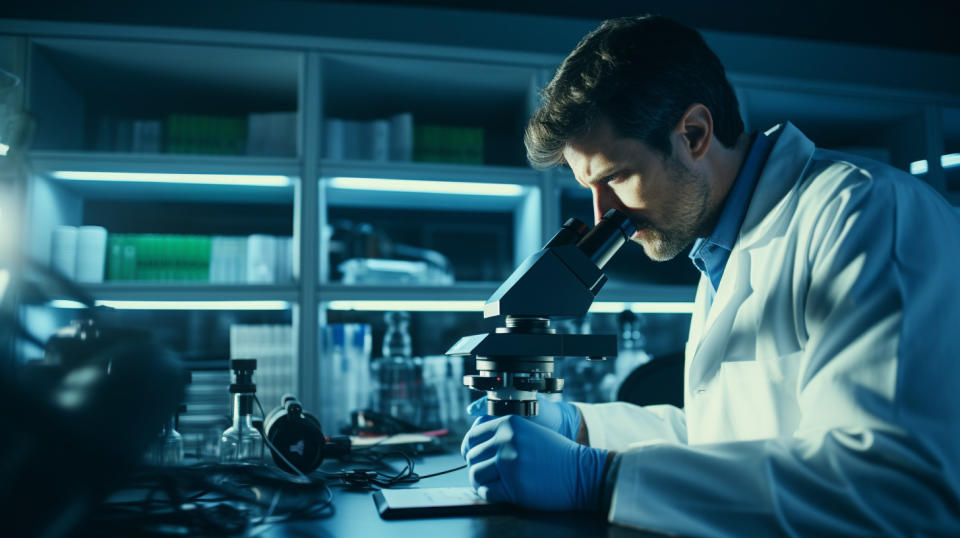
(171, 177)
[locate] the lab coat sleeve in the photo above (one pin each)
(877, 449)
(617, 425)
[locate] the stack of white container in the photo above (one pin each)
(78, 253)
(255, 259)
(272, 134)
(344, 373)
(389, 139)
(443, 388)
(274, 348)
(147, 136)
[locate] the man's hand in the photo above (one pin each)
(561, 417)
(514, 460)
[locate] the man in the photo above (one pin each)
(821, 368)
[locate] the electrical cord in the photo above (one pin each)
(189, 508)
(363, 478)
(215, 499)
(369, 478)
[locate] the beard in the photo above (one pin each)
(685, 215)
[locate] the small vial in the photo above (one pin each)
(167, 449)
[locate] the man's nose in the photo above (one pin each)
(603, 201)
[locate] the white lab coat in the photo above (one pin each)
(821, 388)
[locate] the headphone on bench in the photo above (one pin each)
(298, 437)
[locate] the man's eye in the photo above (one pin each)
(613, 178)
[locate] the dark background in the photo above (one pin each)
(927, 25)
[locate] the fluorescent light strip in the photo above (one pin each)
(179, 305)
(417, 185)
(947, 161)
(63, 303)
(198, 179)
(646, 307)
(600, 307)
(409, 306)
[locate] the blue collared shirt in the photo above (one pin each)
(710, 254)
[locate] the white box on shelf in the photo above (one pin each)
(382, 271)
(379, 140)
(357, 140)
(147, 136)
(91, 253)
(261, 259)
(334, 131)
(228, 260)
(401, 137)
(63, 251)
(272, 134)
(284, 260)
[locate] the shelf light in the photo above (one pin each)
(946, 161)
(408, 306)
(646, 307)
(418, 185)
(600, 307)
(246, 180)
(179, 305)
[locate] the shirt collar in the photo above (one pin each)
(710, 254)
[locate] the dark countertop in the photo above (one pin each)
(356, 516)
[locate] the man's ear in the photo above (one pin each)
(695, 130)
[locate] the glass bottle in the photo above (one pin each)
(167, 448)
(397, 372)
(170, 448)
(396, 341)
(241, 442)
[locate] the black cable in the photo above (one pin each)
(217, 499)
(464, 466)
(237, 484)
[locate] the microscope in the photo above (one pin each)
(560, 280)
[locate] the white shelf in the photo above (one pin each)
(191, 292)
(481, 291)
(162, 162)
(527, 178)
(467, 291)
(430, 171)
(46, 163)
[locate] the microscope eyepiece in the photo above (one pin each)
(571, 232)
(606, 238)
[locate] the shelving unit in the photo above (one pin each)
(193, 292)
(75, 80)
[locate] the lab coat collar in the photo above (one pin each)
(785, 166)
(769, 206)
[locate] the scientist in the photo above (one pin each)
(823, 362)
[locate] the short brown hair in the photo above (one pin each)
(642, 74)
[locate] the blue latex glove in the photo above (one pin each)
(514, 460)
(561, 417)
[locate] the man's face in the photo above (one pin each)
(666, 201)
